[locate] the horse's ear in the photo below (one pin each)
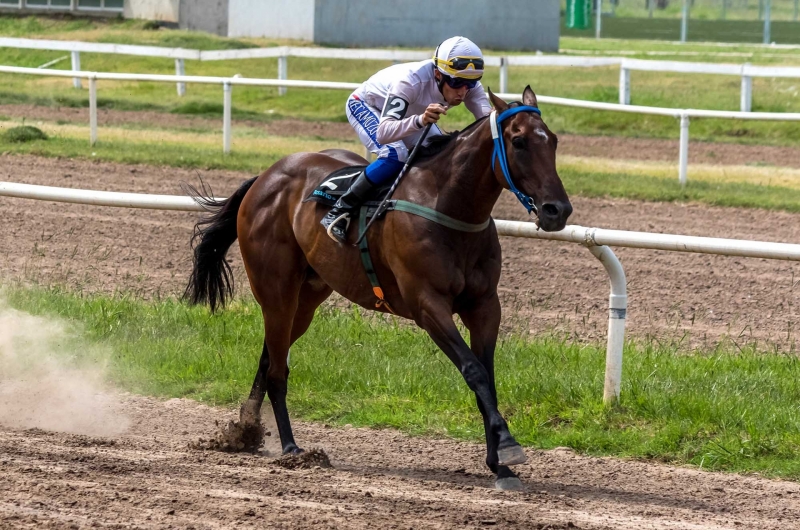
(529, 98)
(498, 103)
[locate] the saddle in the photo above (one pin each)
(336, 184)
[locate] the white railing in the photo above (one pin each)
(746, 71)
(683, 115)
(597, 240)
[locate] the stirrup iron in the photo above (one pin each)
(329, 230)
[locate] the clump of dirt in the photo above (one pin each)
(305, 460)
(235, 437)
(89, 441)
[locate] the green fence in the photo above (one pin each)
(708, 20)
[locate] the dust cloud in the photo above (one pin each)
(43, 386)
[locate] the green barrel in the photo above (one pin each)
(578, 14)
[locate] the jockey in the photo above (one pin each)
(390, 110)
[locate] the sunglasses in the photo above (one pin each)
(458, 82)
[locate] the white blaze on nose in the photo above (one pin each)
(541, 133)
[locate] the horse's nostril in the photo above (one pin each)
(550, 209)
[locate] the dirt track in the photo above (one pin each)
(149, 478)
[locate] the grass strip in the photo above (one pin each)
(724, 410)
(253, 152)
(648, 188)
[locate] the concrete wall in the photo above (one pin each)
(163, 10)
(280, 19)
(204, 15)
(496, 24)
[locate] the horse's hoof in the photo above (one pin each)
(509, 484)
(511, 456)
(293, 451)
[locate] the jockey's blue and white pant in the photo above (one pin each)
(391, 157)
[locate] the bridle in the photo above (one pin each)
(499, 153)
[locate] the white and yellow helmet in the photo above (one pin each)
(459, 57)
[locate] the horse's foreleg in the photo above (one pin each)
(483, 322)
(437, 320)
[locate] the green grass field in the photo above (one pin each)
(727, 410)
(745, 31)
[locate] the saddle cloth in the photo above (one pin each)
(334, 185)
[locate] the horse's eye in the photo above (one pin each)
(518, 142)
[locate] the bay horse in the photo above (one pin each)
(429, 272)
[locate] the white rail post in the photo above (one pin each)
(651, 4)
(180, 69)
(624, 85)
(796, 10)
(503, 74)
(683, 154)
(617, 313)
(226, 118)
(76, 67)
(685, 20)
(767, 21)
(598, 26)
(283, 72)
(746, 98)
(724, 9)
(92, 110)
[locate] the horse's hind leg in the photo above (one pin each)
(273, 371)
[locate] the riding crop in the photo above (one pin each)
(385, 202)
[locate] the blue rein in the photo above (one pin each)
(499, 152)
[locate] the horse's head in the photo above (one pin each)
(530, 149)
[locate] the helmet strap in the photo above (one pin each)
(440, 83)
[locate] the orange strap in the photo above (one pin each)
(381, 300)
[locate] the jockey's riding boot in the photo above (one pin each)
(337, 220)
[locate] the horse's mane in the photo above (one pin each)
(439, 143)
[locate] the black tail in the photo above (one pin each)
(211, 281)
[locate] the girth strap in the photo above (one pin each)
(366, 261)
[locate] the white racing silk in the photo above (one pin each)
(404, 91)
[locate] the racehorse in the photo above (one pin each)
(428, 271)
